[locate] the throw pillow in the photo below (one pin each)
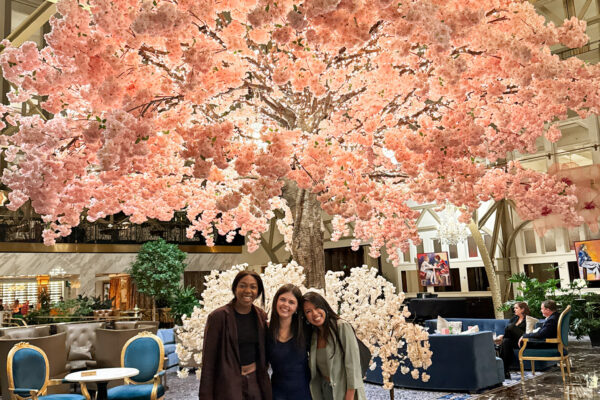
(530, 324)
(80, 353)
(441, 324)
(455, 327)
(472, 329)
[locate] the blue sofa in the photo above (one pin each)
(460, 363)
(168, 338)
(492, 325)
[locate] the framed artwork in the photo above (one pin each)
(434, 269)
(588, 259)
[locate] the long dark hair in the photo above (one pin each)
(330, 327)
(259, 282)
(296, 328)
(523, 306)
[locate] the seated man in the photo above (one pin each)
(548, 329)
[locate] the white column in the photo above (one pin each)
(563, 272)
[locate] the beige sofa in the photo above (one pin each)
(80, 344)
(25, 332)
(111, 341)
(136, 324)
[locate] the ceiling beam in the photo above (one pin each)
(32, 23)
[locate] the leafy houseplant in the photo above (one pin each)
(36, 316)
(533, 292)
(183, 303)
(589, 321)
(157, 271)
(585, 307)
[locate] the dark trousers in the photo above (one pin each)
(507, 353)
(250, 387)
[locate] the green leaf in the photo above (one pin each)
(158, 268)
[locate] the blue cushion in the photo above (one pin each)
(62, 397)
(166, 335)
(29, 369)
(539, 365)
(144, 354)
(172, 360)
(543, 353)
(564, 329)
(134, 392)
(170, 348)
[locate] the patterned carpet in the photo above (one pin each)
(187, 389)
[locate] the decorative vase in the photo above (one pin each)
(595, 337)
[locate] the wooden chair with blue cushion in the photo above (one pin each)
(559, 353)
(29, 375)
(145, 352)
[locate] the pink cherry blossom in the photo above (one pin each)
(211, 107)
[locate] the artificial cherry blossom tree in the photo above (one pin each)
(231, 110)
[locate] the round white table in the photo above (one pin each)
(101, 377)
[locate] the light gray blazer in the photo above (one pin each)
(344, 372)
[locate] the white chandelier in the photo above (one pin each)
(450, 231)
(57, 272)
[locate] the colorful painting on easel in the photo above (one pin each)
(434, 269)
(588, 259)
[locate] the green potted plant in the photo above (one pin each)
(533, 292)
(183, 303)
(587, 321)
(157, 271)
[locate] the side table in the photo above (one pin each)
(101, 377)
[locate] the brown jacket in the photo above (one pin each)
(221, 377)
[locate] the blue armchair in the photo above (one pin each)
(28, 375)
(168, 338)
(559, 353)
(145, 352)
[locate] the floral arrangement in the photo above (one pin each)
(365, 299)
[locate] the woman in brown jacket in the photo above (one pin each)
(233, 354)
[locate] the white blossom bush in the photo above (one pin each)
(368, 301)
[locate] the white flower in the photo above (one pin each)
(183, 373)
(365, 299)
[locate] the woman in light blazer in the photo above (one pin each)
(334, 359)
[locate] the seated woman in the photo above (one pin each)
(513, 332)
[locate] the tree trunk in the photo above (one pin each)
(307, 238)
(489, 269)
(153, 309)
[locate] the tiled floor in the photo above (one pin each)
(549, 385)
(586, 366)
